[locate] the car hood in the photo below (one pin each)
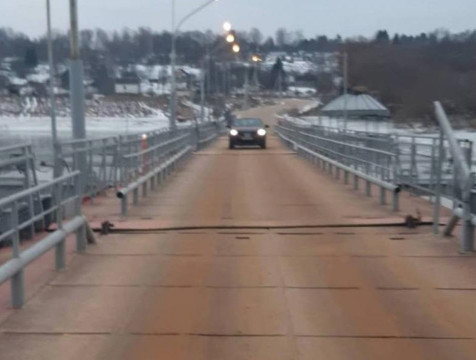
(247, 128)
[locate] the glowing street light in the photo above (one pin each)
(236, 48)
(227, 26)
(230, 38)
(256, 58)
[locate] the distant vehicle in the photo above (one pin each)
(248, 131)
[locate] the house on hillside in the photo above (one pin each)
(130, 85)
(19, 86)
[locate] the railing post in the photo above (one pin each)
(439, 169)
(57, 159)
(144, 189)
(135, 197)
(60, 249)
(81, 232)
(467, 230)
(121, 161)
(356, 182)
(395, 202)
(124, 203)
(17, 282)
(465, 182)
(383, 195)
(368, 188)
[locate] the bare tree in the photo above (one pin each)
(256, 37)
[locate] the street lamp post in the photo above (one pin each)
(173, 58)
(345, 71)
(54, 130)
(54, 133)
(76, 77)
(77, 91)
(205, 69)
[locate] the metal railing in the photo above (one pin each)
(154, 176)
(116, 161)
(208, 132)
(17, 169)
(464, 205)
(21, 213)
(102, 158)
(420, 162)
(437, 167)
(153, 151)
(125, 163)
(372, 166)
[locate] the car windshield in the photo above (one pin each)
(248, 123)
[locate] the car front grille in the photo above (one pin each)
(247, 134)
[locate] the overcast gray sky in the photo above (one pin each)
(329, 17)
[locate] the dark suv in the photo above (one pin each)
(248, 131)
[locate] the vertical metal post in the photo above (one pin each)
(54, 133)
(431, 185)
(18, 281)
(173, 80)
(467, 230)
(60, 249)
(395, 201)
(346, 177)
(246, 86)
(439, 169)
(202, 94)
(368, 188)
(383, 193)
(414, 168)
(135, 197)
(81, 232)
(356, 182)
(77, 91)
(144, 189)
(345, 88)
(124, 204)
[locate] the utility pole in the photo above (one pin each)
(255, 75)
(173, 82)
(202, 93)
(54, 130)
(173, 58)
(54, 133)
(77, 91)
(280, 84)
(76, 78)
(246, 87)
(345, 61)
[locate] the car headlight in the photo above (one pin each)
(233, 132)
(261, 132)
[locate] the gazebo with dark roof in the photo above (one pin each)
(360, 106)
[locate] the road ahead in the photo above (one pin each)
(254, 265)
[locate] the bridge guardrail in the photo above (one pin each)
(65, 191)
(152, 164)
(327, 163)
(438, 168)
(17, 167)
(110, 161)
(464, 206)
